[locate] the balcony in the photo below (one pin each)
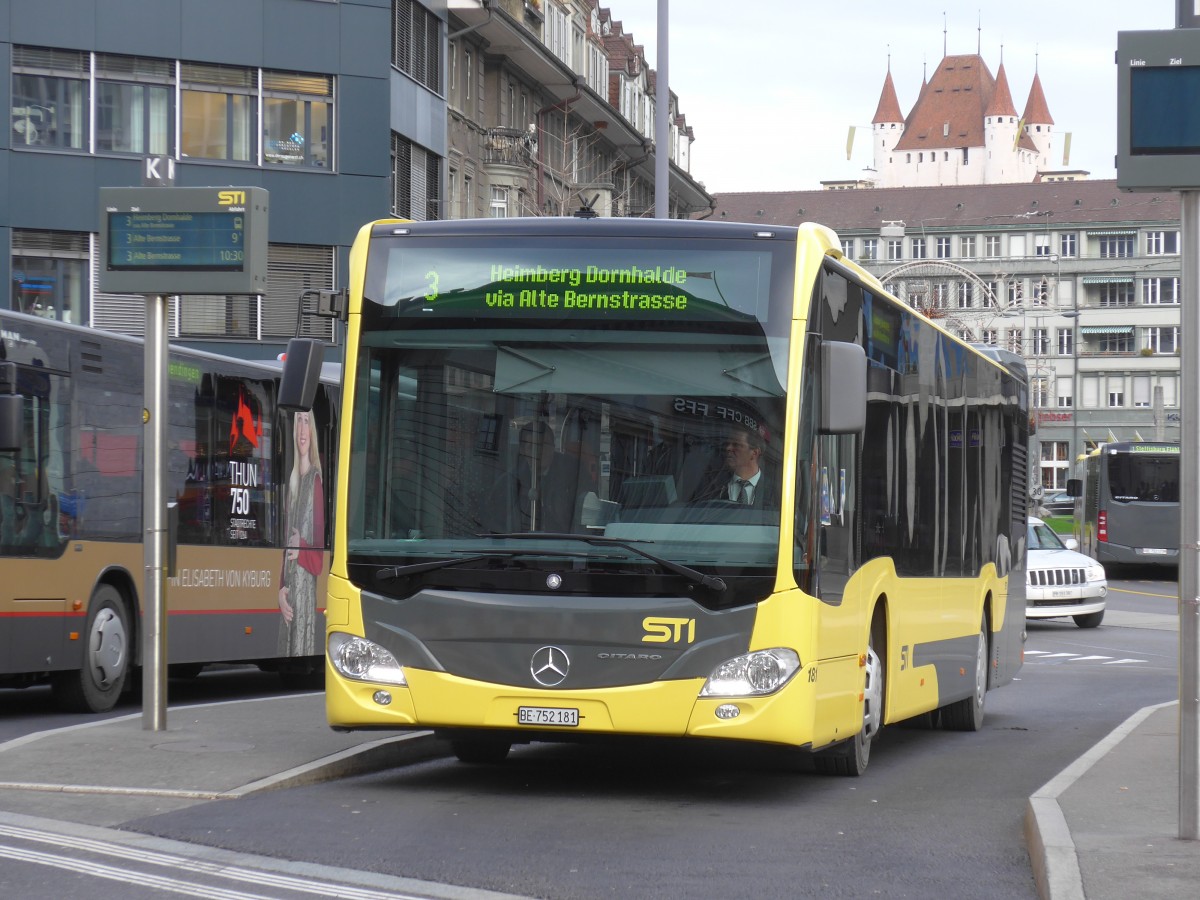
(508, 147)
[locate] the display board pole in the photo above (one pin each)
(1189, 521)
(154, 518)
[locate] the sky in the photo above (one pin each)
(771, 88)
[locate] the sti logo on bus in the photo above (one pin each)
(231, 198)
(666, 629)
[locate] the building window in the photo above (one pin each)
(990, 336)
(468, 197)
(1068, 244)
(1066, 341)
(1064, 389)
(966, 247)
(467, 61)
(499, 207)
(991, 246)
(1116, 343)
(942, 248)
(1016, 293)
(1161, 339)
(416, 180)
(50, 98)
(848, 248)
(1116, 398)
(49, 274)
(962, 293)
(417, 43)
(1016, 340)
(1039, 392)
(1116, 246)
(1118, 294)
(135, 105)
(1160, 291)
(1040, 338)
(1041, 245)
(1162, 243)
(870, 248)
(991, 295)
(895, 249)
(220, 113)
(297, 119)
(918, 248)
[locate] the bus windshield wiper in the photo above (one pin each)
(391, 573)
(712, 582)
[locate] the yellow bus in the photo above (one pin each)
(663, 478)
(250, 579)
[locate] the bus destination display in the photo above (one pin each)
(164, 241)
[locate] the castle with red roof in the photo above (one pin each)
(963, 129)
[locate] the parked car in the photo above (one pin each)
(1060, 503)
(1060, 582)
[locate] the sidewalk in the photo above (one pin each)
(1107, 826)
(106, 772)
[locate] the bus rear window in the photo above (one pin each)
(1143, 478)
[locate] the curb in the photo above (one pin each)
(1052, 852)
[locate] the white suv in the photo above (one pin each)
(1060, 582)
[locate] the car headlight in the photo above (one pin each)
(754, 674)
(1095, 573)
(362, 660)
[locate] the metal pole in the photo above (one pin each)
(154, 518)
(662, 123)
(1189, 520)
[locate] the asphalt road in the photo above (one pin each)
(937, 815)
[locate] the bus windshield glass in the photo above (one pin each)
(530, 405)
(1145, 475)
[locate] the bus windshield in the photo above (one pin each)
(511, 402)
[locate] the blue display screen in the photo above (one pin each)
(1164, 107)
(177, 241)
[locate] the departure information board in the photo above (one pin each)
(167, 240)
(173, 240)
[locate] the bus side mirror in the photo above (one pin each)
(301, 374)
(843, 388)
(11, 404)
(1074, 487)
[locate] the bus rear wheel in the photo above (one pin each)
(967, 714)
(97, 684)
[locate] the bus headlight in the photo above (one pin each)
(363, 660)
(757, 673)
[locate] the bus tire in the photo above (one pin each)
(480, 751)
(967, 714)
(1089, 620)
(97, 684)
(850, 757)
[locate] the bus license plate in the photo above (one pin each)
(1154, 551)
(547, 715)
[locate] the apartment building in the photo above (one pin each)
(1080, 278)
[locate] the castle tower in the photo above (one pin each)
(1000, 126)
(1039, 124)
(886, 128)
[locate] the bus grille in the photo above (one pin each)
(1053, 577)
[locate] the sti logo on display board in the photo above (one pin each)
(183, 240)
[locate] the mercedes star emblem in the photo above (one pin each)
(549, 666)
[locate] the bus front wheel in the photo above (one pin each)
(97, 684)
(851, 756)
